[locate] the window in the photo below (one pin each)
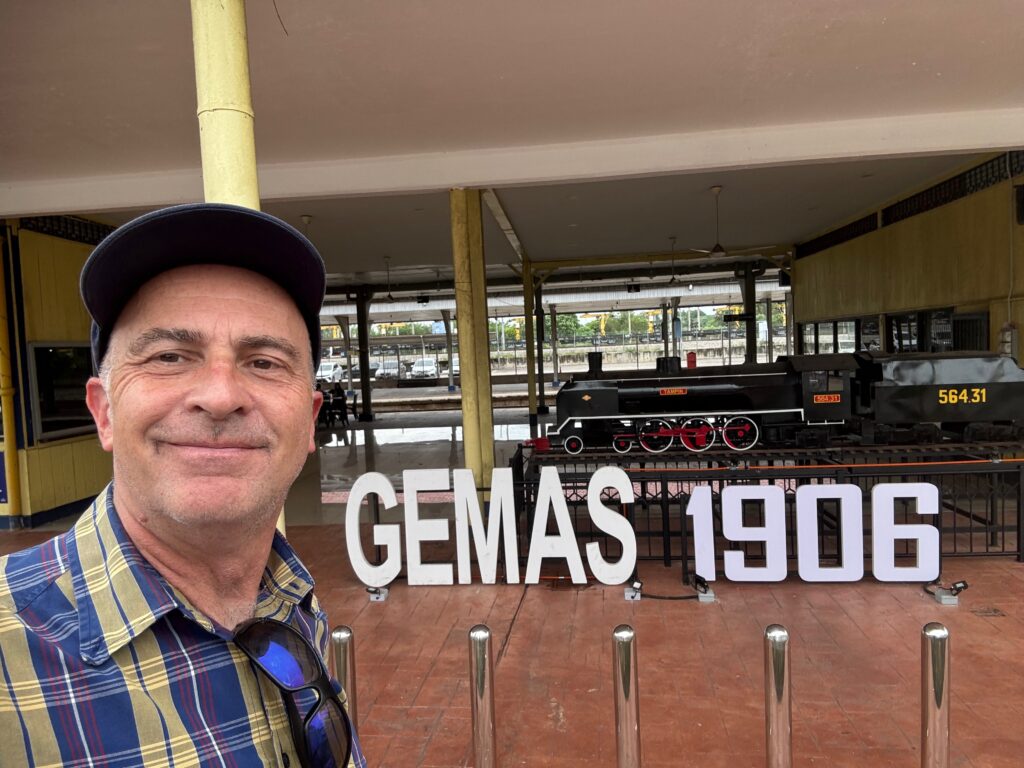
(903, 332)
(970, 331)
(807, 347)
(826, 334)
(870, 337)
(940, 330)
(58, 375)
(846, 332)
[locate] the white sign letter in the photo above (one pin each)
(613, 523)
(562, 544)
(851, 532)
(417, 530)
(772, 533)
(389, 536)
(885, 531)
(500, 515)
(699, 509)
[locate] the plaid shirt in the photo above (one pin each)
(103, 663)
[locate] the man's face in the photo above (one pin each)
(210, 409)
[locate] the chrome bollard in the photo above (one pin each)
(778, 708)
(627, 699)
(935, 699)
(343, 661)
(481, 678)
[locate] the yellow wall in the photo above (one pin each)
(59, 471)
(63, 471)
(957, 255)
(49, 276)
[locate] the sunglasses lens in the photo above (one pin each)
(280, 652)
(328, 737)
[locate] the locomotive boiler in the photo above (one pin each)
(799, 400)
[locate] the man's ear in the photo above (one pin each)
(318, 401)
(99, 406)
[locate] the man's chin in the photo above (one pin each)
(224, 503)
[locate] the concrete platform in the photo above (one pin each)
(855, 647)
(855, 659)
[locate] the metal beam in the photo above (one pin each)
(725, 269)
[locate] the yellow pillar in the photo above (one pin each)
(11, 469)
(227, 142)
(481, 333)
(224, 103)
(531, 363)
(458, 203)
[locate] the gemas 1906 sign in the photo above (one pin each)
(500, 528)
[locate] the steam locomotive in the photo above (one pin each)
(804, 400)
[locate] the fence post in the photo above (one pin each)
(1020, 515)
(481, 678)
(343, 658)
(935, 698)
(627, 701)
(778, 710)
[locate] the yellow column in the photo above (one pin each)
(531, 363)
(481, 334)
(11, 469)
(458, 203)
(224, 103)
(228, 144)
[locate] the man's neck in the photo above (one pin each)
(217, 568)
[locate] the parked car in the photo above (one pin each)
(373, 370)
(424, 368)
(330, 372)
(389, 369)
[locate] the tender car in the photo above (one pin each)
(390, 369)
(424, 368)
(330, 372)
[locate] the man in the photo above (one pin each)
(117, 639)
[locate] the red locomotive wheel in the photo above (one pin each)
(697, 434)
(573, 445)
(622, 443)
(740, 433)
(655, 435)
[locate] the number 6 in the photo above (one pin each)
(885, 531)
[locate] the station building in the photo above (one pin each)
(863, 165)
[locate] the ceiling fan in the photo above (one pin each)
(387, 266)
(718, 251)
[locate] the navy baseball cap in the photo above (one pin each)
(200, 233)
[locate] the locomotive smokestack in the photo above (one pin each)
(594, 361)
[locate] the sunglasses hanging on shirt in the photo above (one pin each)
(323, 735)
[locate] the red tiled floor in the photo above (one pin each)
(855, 653)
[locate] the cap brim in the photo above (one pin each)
(202, 233)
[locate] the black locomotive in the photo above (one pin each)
(802, 400)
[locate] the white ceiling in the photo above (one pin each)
(600, 124)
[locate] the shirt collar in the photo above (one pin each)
(120, 595)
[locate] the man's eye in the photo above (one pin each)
(263, 364)
(169, 357)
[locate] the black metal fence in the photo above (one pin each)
(981, 491)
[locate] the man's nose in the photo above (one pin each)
(220, 390)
